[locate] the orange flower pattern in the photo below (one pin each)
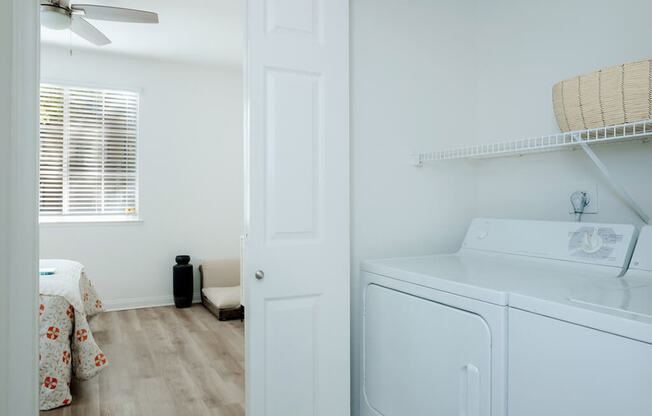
(100, 360)
(82, 335)
(53, 333)
(50, 383)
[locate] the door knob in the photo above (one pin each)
(260, 274)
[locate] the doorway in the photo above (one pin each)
(320, 29)
(141, 163)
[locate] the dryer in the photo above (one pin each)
(435, 328)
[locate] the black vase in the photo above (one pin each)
(182, 282)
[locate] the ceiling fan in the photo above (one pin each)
(60, 14)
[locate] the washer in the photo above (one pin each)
(585, 352)
(435, 328)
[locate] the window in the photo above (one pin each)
(88, 162)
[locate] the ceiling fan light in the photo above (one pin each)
(54, 17)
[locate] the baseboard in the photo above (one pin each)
(143, 302)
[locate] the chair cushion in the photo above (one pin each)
(223, 297)
(221, 273)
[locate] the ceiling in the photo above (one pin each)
(198, 31)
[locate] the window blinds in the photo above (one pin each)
(88, 160)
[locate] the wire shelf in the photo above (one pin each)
(622, 132)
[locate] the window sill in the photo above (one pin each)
(91, 220)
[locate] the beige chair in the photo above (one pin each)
(220, 288)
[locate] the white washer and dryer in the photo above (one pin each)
(435, 328)
(585, 352)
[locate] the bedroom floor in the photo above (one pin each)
(164, 361)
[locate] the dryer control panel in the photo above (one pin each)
(594, 242)
(601, 244)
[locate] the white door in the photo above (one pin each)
(297, 219)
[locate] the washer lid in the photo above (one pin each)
(621, 306)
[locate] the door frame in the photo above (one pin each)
(19, 219)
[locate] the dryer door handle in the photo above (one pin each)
(470, 391)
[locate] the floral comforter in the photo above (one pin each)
(66, 344)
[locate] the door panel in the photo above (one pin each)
(424, 358)
(294, 17)
(294, 132)
(297, 208)
(293, 362)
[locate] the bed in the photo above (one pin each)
(67, 348)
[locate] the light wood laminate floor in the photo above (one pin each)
(163, 362)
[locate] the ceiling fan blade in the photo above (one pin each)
(87, 31)
(115, 14)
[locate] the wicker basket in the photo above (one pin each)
(614, 95)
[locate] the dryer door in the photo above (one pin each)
(424, 358)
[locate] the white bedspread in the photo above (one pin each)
(64, 282)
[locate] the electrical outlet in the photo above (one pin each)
(592, 193)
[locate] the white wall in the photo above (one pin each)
(411, 89)
(526, 47)
(190, 164)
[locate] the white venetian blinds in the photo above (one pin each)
(88, 162)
